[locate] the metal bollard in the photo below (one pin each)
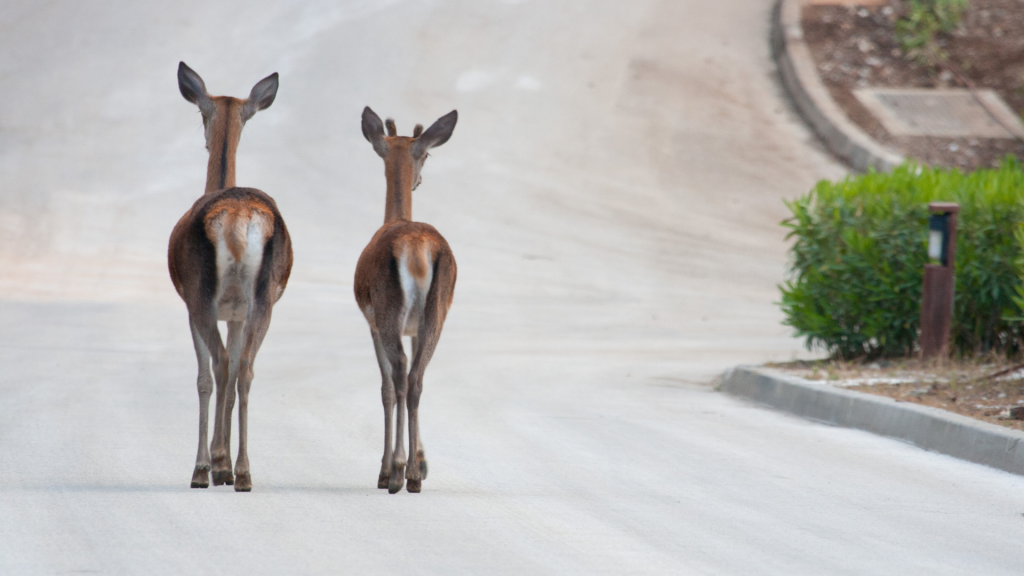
(939, 281)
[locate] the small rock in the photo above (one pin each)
(945, 76)
(872, 61)
(1015, 413)
(921, 391)
(888, 11)
(953, 146)
(863, 13)
(865, 45)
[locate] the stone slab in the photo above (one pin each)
(942, 112)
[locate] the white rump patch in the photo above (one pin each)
(414, 290)
(236, 279)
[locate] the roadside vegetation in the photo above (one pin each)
(917, 30)
(860, 246)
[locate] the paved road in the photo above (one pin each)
(612, 194)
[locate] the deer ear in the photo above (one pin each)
(193, 88)
(261, 96)
(438, 133)
(373, 131)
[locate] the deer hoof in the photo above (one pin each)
(382, 480)
(397, 479)
(243, 482)
(201, 478)
(413, 486)
(223, 477)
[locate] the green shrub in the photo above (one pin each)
(1018, 298)
(916, 30)
(861, 246)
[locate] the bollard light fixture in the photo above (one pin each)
(939, 281)
(938, 238)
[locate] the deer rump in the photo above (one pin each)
(223, 251)
(406, 256)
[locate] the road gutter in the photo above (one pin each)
(923, 426)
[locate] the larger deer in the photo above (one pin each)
(229, 258)
(404, 283)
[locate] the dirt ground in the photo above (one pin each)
(984, 389)
(856, 47)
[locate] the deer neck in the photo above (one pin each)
(399, 201)
(226, 130)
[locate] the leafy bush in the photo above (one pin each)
(916, 30)
(860, 250)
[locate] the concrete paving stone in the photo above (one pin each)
(944, 112)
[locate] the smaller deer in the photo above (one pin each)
(404, 283)
(229, 258)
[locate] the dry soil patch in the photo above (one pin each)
(855, 47)
(963, 387)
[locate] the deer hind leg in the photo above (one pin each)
(204, 331)
(387, 395)
(391, 344)
(222, 473)
(421, 456)
(255, 330)
(201, 474)
(424, 344)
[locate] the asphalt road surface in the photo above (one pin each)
(612, 194)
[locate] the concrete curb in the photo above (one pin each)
(800, 77)
(923, 426)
